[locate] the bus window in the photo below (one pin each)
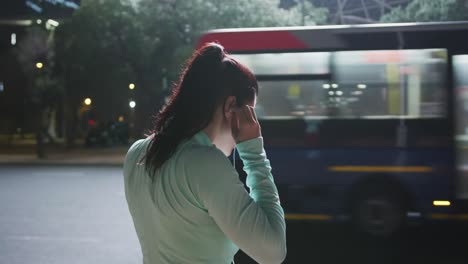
(460, 63)
(289, 98)
(391, 83)
(286, 63)
(350, 84)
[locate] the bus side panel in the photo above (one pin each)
(320, 181)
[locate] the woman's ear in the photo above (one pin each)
(229, 105)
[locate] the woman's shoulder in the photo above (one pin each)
(202, 159)
(138, 147)
(197, 152)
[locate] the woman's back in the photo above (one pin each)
(187, 202)
(172, 225)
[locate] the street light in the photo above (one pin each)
(39, 65)
(131, 86)
(132, 104)
(87, 101)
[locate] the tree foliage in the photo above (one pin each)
(176, 24)
(98, 52)
(95, 51)
(109, 43)
(43, 89)
(427, 11)
(36, 47)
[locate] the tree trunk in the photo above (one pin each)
(70, 124)
(40, 144)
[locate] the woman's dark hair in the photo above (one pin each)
(210, 76)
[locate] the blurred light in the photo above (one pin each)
(413, 214)
(339, 93)
(326, 86)
(39, 21)
(131, 86)
(39, 65)
(13, 39)
(53, 22)
(121, 119)
(294, 90)
(91, 122)
(34, 6)
(187, 28)
(356, 93)
(87, 101)
(132, 104)
(334, 85)
(17, 22)
(441, 203)
(2, 87)
(361, 86)
(331, 93)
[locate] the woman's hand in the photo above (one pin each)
(245, 125)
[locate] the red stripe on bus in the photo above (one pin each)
(251, 41)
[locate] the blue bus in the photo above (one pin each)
(363, 123)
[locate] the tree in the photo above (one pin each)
(175, 25)
(99, 52)
(310, 15)
(35, 54)
(109, 43)
(425, 11)
(172, 27)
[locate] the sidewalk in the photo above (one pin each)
(113, 156)
(24, 154)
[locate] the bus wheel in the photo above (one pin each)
(379, 212)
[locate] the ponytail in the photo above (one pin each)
(209, 77)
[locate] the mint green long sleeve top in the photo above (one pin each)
(196, 210)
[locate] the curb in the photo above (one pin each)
(58, 164)
(89, 161)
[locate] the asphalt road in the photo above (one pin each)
(76, 214)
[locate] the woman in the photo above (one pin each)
(186, 200)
